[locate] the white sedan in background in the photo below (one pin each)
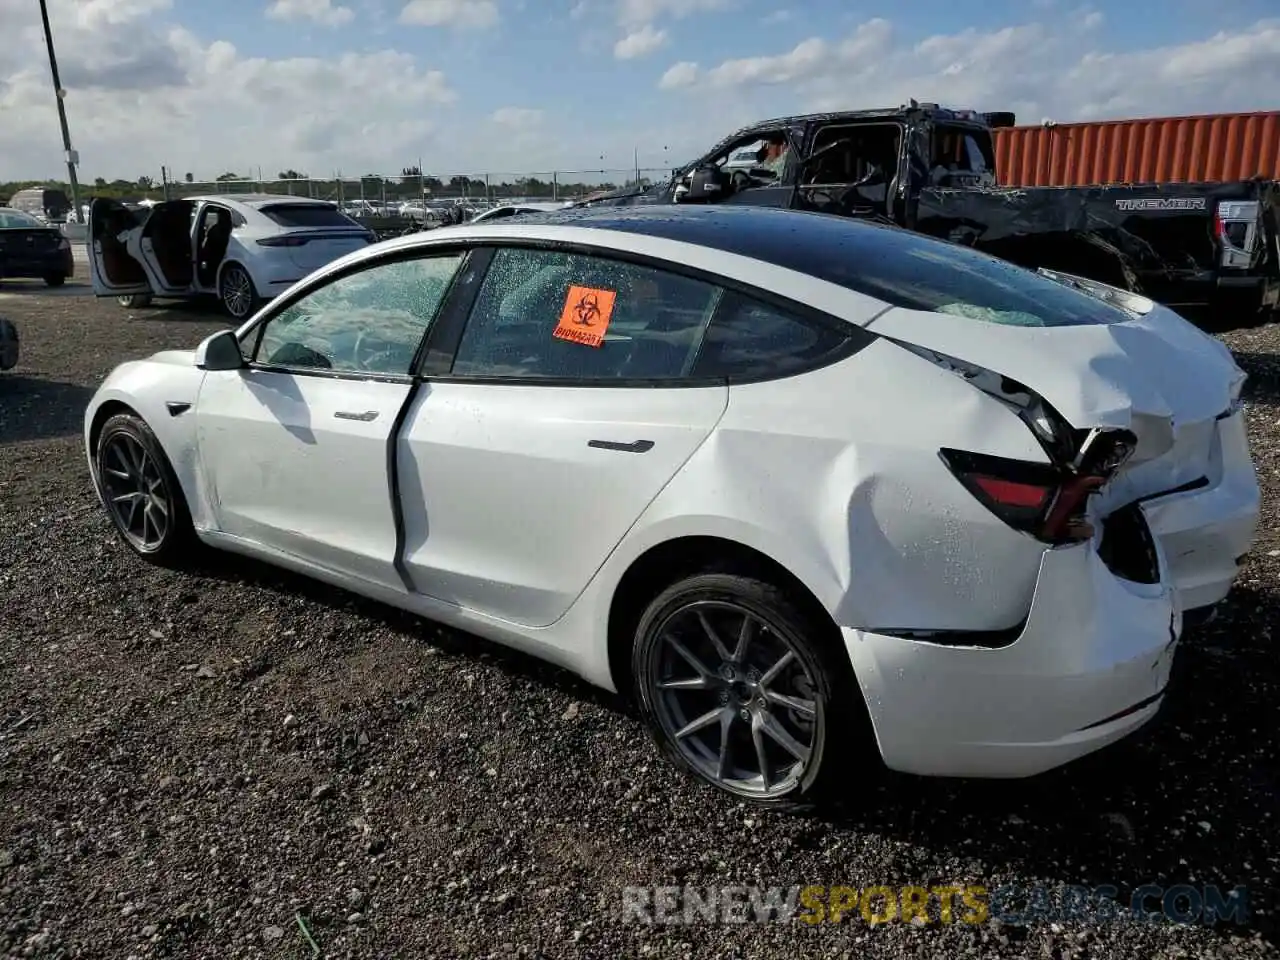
(503, 211)
(242, 248)
(794, 482)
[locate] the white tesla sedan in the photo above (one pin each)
(786, 478)
(242, 248)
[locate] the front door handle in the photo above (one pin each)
(352, 415)
(639, 446)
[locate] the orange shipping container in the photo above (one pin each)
(1219, 148)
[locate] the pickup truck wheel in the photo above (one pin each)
(133, 301)
(236, 293)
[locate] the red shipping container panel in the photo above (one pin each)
(1219, 148)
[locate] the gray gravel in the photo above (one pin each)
(188, 763)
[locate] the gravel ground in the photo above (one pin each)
(190, 763)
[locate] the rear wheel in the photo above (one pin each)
(55, 280)
(133, 301)
(141, 492)
(235, 291)
(743, 689)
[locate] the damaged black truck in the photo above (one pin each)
(1208, 250)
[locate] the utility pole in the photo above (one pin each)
(72, 159)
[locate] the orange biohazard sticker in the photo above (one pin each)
(586, 315)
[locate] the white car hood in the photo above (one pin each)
(1101, 375)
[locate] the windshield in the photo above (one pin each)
(307, 215)
(17, 220)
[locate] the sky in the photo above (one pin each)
(522, 87)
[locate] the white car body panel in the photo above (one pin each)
(516, 529)
(513, 511)
(280, 453)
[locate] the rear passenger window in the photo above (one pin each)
(545, 314)
(753, 340)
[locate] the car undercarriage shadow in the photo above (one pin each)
(1263, 385)
(236, 569)
(1162, 807)
(34, 409)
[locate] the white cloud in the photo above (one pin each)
(319, 11)
(639, 43)
(1035, 69)
(638, 12)
(144, 91)
(466, 14)
(1092, 19)
(683, 74)
(778, 16)
(520, 118)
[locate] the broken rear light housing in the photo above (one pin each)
(1045, 500)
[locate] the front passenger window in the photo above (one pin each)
(369, 322)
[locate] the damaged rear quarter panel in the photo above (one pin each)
(856, 501)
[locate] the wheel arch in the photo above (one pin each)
(175, 433)
(664, 563)
(234, 259)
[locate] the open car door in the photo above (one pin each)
(163, 246)
(114, 270)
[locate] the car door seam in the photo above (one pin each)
(642, 511)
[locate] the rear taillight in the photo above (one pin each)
(1047, 501)
(282, 241)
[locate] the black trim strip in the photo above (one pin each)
(639, 446)
(176, 408)
(1196, 484)
(1140, 705)
(986, 639)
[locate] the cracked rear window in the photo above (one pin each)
(947, 278)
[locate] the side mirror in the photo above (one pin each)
(221, 351)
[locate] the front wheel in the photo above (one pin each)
(55, 280)
(236, 292)
(742, 688)
(141, 493)
(134, 301)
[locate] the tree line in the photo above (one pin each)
(411, 184)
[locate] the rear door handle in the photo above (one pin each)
(639, 446)
(352, 415)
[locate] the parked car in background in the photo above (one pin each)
(49, 204)
(512, 209)
(797, 483)
(31, 249)
(243, 249)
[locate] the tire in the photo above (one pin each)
(134, 301)
(128, 459)
(55, 280)
(236, 293)
(9, 345)
(817, 672)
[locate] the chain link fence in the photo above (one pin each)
(379, 192)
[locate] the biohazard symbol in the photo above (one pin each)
(585, 316)
(587, 309)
